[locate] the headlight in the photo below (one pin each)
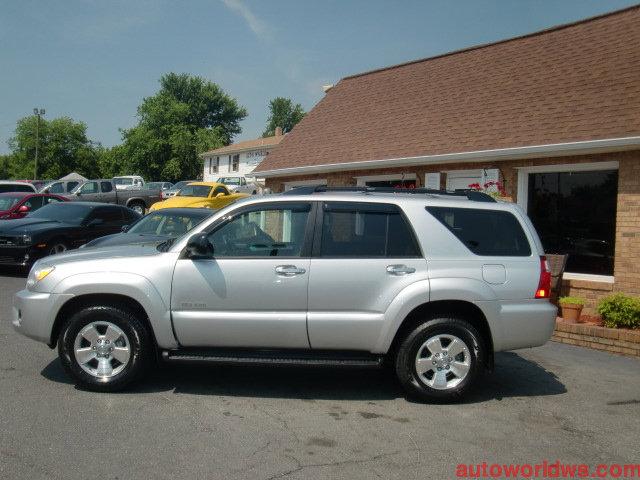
(39, 273)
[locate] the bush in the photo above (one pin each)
(571, 301)
(619, 310)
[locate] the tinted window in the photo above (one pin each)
(575, 214)
(71, 185)
(195, 191)
(130, 216)
(63, 212)
(485, 232)
(106, 187)
(272, 232)
(91, 187)
(366, 230)
(219, 190)
(34, 203)
(111, 217)
(7, 202)
(56, 188)
(15, 188)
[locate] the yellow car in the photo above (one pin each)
(200, 195)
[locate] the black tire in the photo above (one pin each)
(137, 207)
(405, 362)
(138, 336)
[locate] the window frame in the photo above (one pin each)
(372, 207)
(309, 230)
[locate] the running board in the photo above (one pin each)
(290, 358)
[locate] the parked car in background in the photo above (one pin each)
(175, 189)
(105, 191)
(15, 186)
(58, 227)
(61, 187)
(19, 204)
(128, 182)
(430, 284)
(39, 183)
(240, 185)
(155, 227)
(162, 186)
(200, 195)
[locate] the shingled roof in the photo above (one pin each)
(245, 145)
(572, 83)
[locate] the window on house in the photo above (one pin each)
(214, 163)
(575, 213)
(234, 163)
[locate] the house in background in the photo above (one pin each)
(554, 115)
(238, 159)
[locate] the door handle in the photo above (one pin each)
(400, 270)
(289, 270)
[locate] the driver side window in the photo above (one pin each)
(91, 187)
(274, 232)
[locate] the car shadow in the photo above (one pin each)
(514, 376)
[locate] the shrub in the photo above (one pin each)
(619, 310)
(571, 301)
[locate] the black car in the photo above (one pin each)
(156, 227)
(57, 227)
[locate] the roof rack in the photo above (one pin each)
(472, 195)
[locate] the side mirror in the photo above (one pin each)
(220, 195)
(78, 193)
(199, 247)
(95, 222)
(23, 209)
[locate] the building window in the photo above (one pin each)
(574, 213)
(234, 163)
(214, 163)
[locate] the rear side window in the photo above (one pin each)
(106, 187)
(366, 230)
(485, 232)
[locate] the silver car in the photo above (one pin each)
(431, 283)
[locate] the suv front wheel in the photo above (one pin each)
(440, 359)
(104, 348)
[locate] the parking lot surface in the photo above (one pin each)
(555, 402)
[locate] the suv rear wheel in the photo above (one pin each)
(440, 359)
(104, 348)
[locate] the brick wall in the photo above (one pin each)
(613, 340)
(627, 249)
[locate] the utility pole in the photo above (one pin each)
(38, 112)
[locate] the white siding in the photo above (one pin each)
(249, 160)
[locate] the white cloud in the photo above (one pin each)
(257, 26)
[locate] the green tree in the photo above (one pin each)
(282, 113)
(63, 148)
(188, 116)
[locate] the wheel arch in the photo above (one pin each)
(77, 303)
(465, 310)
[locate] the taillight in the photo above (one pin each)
(544, 284)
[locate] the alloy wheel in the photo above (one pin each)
(102, 349)
(443, 361)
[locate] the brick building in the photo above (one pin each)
(555, 116)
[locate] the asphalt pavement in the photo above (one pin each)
(555, 402)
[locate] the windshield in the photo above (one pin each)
(123, 181)
(169, 225)
(195, 191)
(63, 212)
(229, 180)
(8, 202)
(180, 185)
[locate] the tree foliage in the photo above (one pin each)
(188, 116)
(63, 147)
(283, 113)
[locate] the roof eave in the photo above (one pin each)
(512, 153)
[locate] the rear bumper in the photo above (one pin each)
(34, 313)
(520, 324)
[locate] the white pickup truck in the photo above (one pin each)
(241, 185)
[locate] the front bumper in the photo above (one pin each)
(34, 313)
(16, 256)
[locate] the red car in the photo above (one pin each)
(19, 204)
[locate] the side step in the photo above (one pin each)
(291, 358)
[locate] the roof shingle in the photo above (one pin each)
(571, 83)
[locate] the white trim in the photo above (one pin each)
(300, 183)
(514, 153)
(588, 277)
(362, 181)
(523, 175)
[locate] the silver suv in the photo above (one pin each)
(432, 283)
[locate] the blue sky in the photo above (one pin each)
(95, 60)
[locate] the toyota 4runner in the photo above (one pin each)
(431, 283)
